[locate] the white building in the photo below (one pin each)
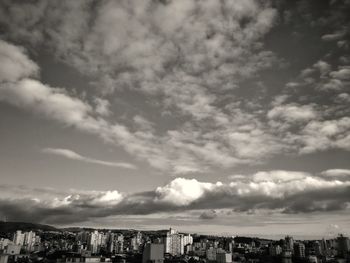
(188, 239)
(95, 241)
(174, 243)
(18, 238)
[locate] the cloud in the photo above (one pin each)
(279, 176)
(168, 152)
(102, 107)
(277, 191)
(238, 177)
(333, 37)
(182, 191)
(323, 67)
(194, 67)
(75, 156)
(292, 113)
(208, 214)
(323, 135)
(336, 173)
(343, 73)
(15, 64)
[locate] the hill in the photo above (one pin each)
(11, 227)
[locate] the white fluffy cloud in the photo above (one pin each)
(182, 191)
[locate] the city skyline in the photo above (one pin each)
(211, 116)
(86, 245)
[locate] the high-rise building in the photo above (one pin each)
(174, 243)
(95, 241)
(343, 245)
(187, 239)
(324, 247)
(18, 238)
(289, 243)
(118, 244)
(136, 242)
(153, 253)
(318, 248)
(29, 240)
(299, 250)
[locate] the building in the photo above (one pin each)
(95, 241)
(4, 258)
(299, 250)
(324, 247)
(317, 248)
(289, 243)
(211, 254)
(313, 259)
(18, 238)
(275, 250)
(287, 256)
(223, 257)
(30, 239)
(13, 249)
(136, 242)
(118, 244)
(187, 239)
(343, 244)
(153, 253)
(174, 243)
(4, 242)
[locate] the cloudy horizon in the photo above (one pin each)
(210, 116)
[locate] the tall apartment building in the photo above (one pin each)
(18, 238)
(299, 250)
(174, 242)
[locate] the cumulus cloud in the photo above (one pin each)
(182, 191)
(343, 73)
(283, 191)
(291, 113)
(75, 156)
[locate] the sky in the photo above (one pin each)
(221, 117)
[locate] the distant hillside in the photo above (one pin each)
(10, 227)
